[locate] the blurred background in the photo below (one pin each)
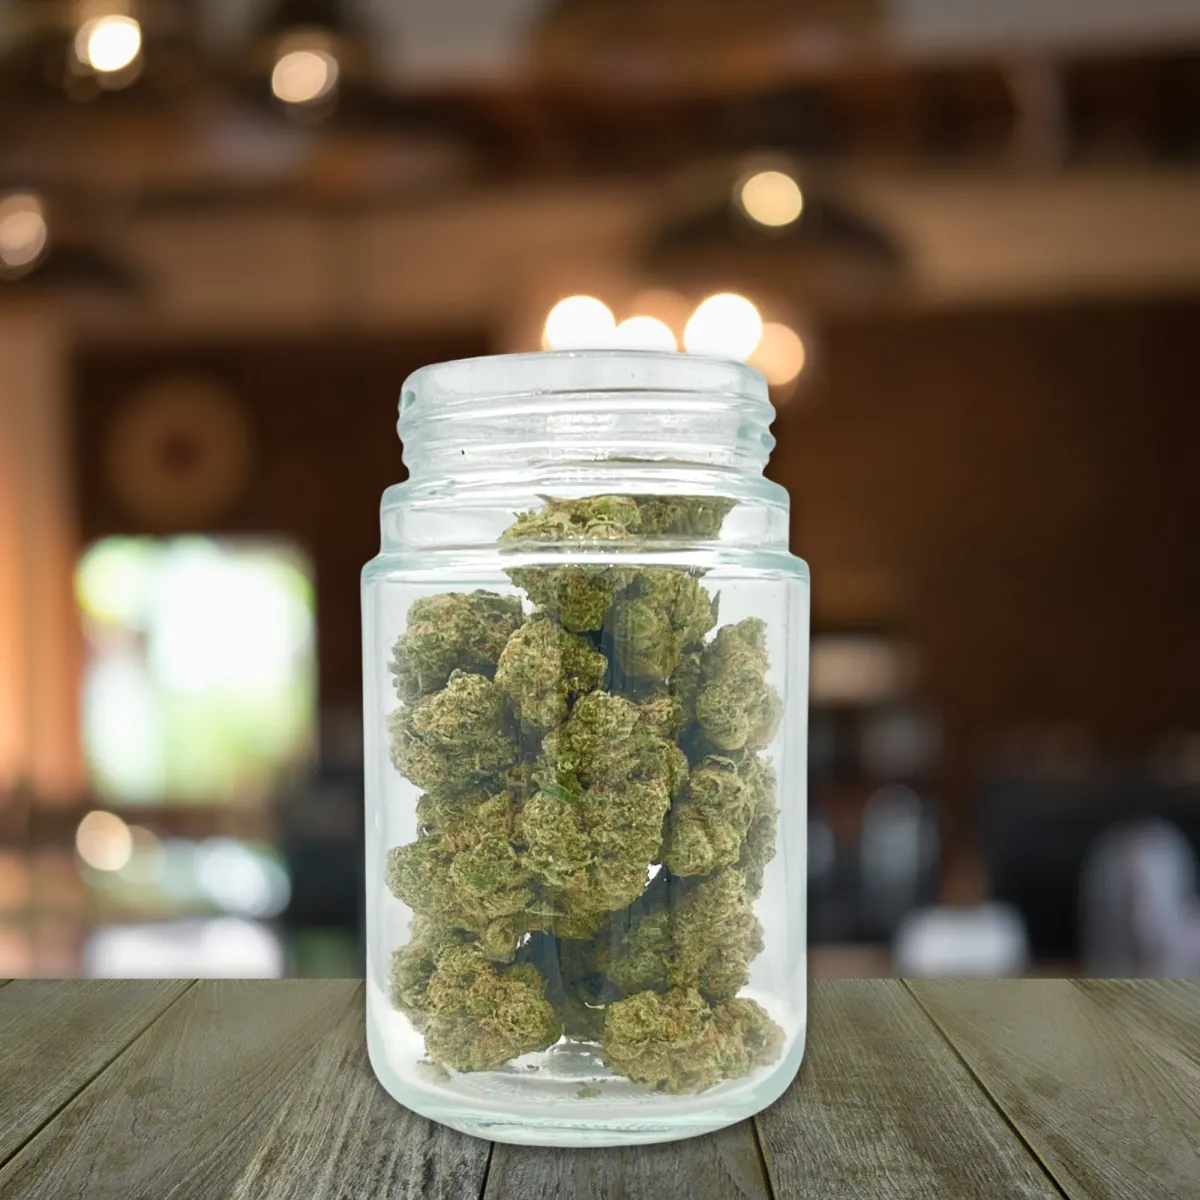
(961, 238)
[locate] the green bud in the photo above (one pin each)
(748, 1037)
(685, 685)
(464, 871)
(668, 1041)
(684, 934)
(735, 707)
(707, 826)
(479, 1015)
(686, 516)
(676, 1042)
(577, 595)
(453, 739)
(453, 631)
(662, 611)
(544, 668)
(412, 968)
(758, 848)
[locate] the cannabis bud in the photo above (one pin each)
(453, 739)
(544, 668)
(452, 632)
(476, 1016)
(735, 707)
(595, 817)
(677, 1042)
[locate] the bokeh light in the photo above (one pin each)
(23, 232)
(780, 354)
(644, 333)
(108, 44)
(771, 198)
(670, 307)
(724, 326)
(243, 879)
(579, 323)
(304, 74)
(104, 841)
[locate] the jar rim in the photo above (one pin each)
(579, 372)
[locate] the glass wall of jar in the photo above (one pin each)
(585, 667)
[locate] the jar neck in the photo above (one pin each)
(493, 417)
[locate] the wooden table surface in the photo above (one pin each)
(1042, 1088)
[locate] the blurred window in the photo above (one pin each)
(199, 681)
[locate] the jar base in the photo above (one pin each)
(524, 1125)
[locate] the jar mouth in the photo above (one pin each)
(575, 372)
(584, 406)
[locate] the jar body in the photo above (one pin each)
(585, 737)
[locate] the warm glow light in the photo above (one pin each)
(22, 230)
(104, 841)
(779, 354)
(772, 198)
(579, 323)
(303, 75)
(669, 307)
(644, 333)
(724, 326)
(109, 43)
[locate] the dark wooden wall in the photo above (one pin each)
(322, 418)
(1025, 484)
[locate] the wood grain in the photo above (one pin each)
(58, 1035)
(187, 1106)
(722, 1166)
(1168, 1009)
(339, 1134)
(1102, 1080)
(883, 1108)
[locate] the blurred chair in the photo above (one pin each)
(1140, 912)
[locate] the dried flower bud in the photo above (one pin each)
(735, 707)
(479, 1016)
(662, 611)
(464, 872)
(682, 934)
(748, 1036)
(685, 685)
(448, 632)
(544, 668)
(665, 1040)
(686, 516)
(707, 825)
(675, 1042)
(453, 739)
(758, 849)
(412, 968)
(577, 595)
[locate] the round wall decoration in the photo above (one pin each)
(179, 453)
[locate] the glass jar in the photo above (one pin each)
(585, 662)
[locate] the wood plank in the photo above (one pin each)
(1168, 1008)
(186, 1107)
(339, 1134)
(721, 1166)
(57, 1035)
(883, 1108)
(1102, 1081)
